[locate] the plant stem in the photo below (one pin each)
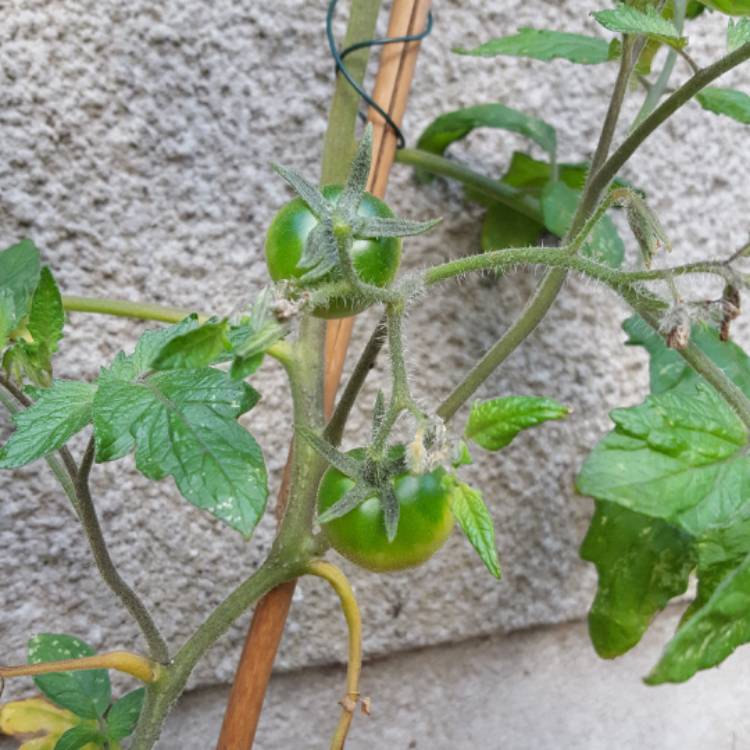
(335, 428)
(668, 107)
(479, 183)
(161, 696)
(124, 309)
(656, 91)
(89, 520)
(137, 666)
(694, 356)
(349, 606)
(541, 301)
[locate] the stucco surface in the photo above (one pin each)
(135, 149)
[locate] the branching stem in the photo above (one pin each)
(130, 600)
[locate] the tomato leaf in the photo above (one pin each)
(47, 316)
(625, 19)
(493, 424)
(712, 634)
(183, 423)
(679, 456)
(738, 33)
(559, 203)
(196, 348)
(61, 411)
(503, 227)
(19, 276)
(475, 520)
(123, 716)
(642, 563)
(668, 370)
(532, 175)
(80, 736)
(86, 693)
(31, 354)
(540, 44)
(729, 102)
(730, 7)
(454, 126)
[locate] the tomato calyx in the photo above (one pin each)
(327, 256)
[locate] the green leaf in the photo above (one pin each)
(254, 335)
(559, 203)
(47, 315)
(461, 455)
(61, 412)
(730, 7)
(729, 102)
(670, 371)
(493, 424)
(625, 19)
(7, 315)
(679, 456)
(196, 348)
(738, 33)
(544, 45)
(531, 175)
(80, 736)
(19, 276)
(503, 227)
(86, 693)
(123, 716)
(474, 519)
(712, 634)
(454, 126)
(182, 423)
(31, 354)
(148, 348)
(642, 563)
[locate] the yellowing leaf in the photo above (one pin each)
(36, 716)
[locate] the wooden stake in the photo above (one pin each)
(395, 72)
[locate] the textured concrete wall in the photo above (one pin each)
(135, 149)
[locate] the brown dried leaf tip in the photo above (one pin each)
(730, 304)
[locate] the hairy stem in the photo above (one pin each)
(541, 301)
(74, 481)
(656, 91)
(606, 173)
(161, 696)
(335, 428)
(349, 606)
(89, 520)
(644, 305)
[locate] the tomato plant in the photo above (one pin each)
(376, 260)
(668, 483)
(425, 519)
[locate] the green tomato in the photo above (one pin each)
(425, 520)
(376, 261)
(730, 7)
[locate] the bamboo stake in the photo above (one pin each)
(395, 73)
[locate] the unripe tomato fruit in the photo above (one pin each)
(376, 261)
(425, 520)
